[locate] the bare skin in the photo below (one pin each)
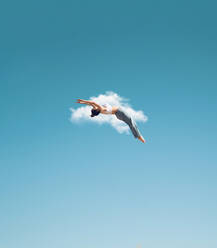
(102, 110)
(97, 106)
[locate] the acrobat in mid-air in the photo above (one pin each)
(107, 109)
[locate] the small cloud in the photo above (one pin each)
(112, 98)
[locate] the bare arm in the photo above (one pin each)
(91, 103)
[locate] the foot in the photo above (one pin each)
(141, 139)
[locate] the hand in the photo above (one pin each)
(80, 101)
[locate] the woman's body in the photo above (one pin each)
(117, 111)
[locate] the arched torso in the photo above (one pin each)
(107, 109)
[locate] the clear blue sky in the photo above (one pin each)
(86, 186)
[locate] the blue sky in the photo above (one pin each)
(84, 185)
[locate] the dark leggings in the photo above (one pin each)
(123, 116)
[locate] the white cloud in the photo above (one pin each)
(112, 98)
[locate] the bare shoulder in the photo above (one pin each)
(103, 110)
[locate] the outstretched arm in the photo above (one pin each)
(91, 103)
